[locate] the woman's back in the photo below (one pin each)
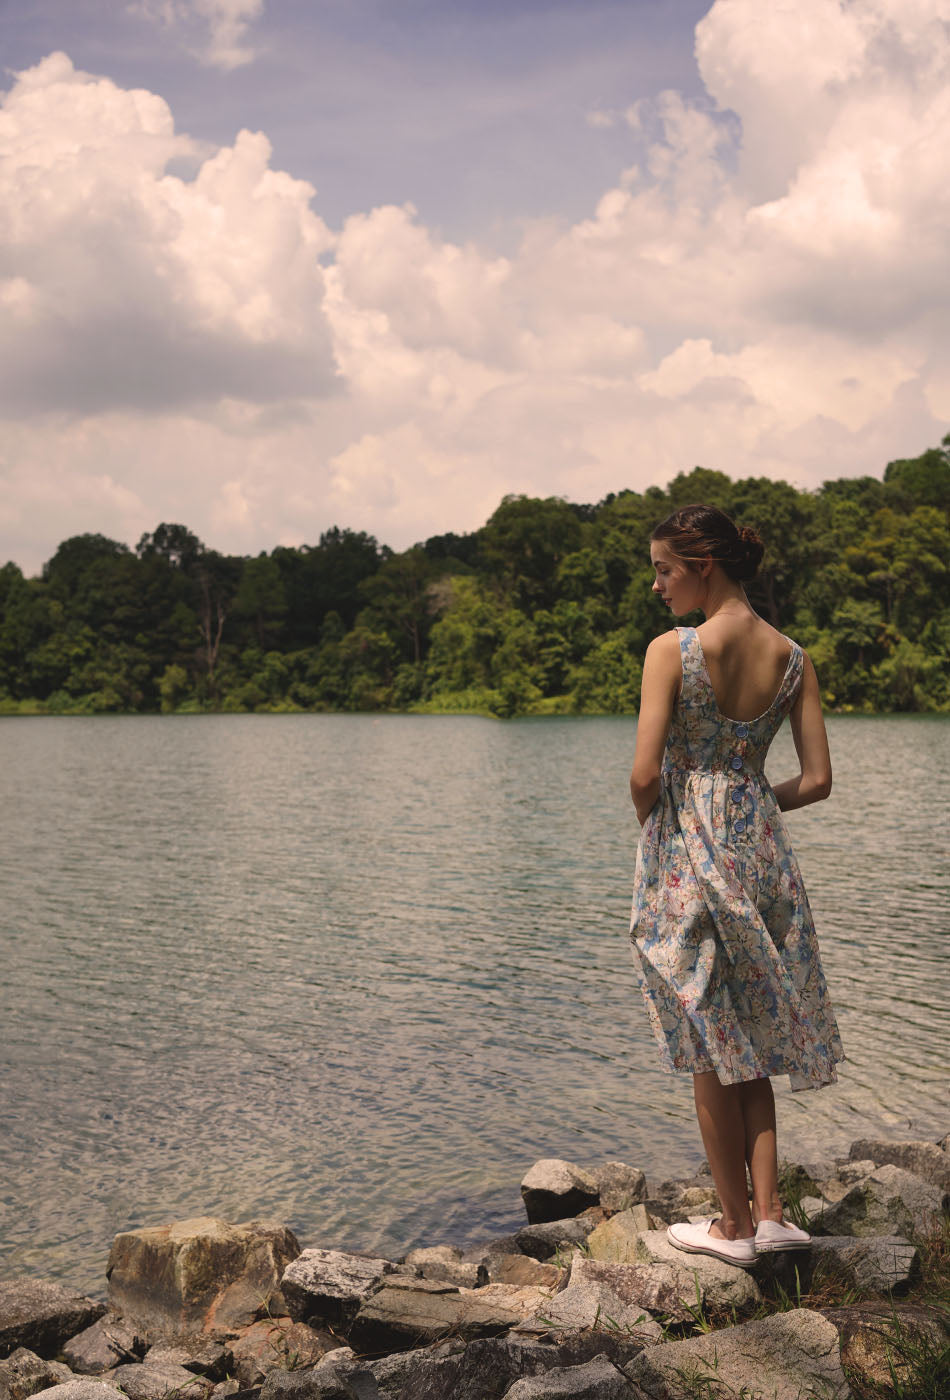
(746, 660)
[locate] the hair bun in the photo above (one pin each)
(749, 552)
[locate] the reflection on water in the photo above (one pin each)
(357, 973)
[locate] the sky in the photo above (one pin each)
(270, 266)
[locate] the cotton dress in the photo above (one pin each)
(723, 937)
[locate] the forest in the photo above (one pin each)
(546, 609)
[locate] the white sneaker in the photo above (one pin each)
(696, 1239)
(771, 1235)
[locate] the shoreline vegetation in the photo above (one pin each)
(588, 1300)
(544, 610)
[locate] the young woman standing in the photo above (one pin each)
(722, 934)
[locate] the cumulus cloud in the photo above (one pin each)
(214, 30)
(764, 291)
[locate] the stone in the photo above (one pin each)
(691, 1279)
(601, 1296)
(877, 1341)
(141, 1382)
(891, 1201)
(618, 1186)
(85, 1388)
(340, 1375)
(24, 1373)
(615, 1241)
(224, 1389)
(543, 1241)
(783, 1357)
(524, 1272)
(275, 1344)
(926, 1159)
(444, 1263)
(41, 1315)
(400, 1318)
(554, 1189)
(109, 1342)
(881, 1263)
(596, 1380)
(330, 1285)
(201, 1354)
(851, 1172)
(198, 1275)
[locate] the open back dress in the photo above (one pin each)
(722, 934)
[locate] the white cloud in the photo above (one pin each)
(214, 30)
(765, 292)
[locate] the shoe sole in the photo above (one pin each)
(714, 1254)
(779, 1248)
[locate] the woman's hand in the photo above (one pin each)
(811, 744)
(662, 670)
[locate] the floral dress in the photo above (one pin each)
(722, 934)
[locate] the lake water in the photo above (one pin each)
(356, 973)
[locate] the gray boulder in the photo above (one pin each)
(523, 1272)
(400, 1317)
(601, 1296)
(618, 1186)
(199, 1353)
(543, 1241)
(109, 1342)
(41, 1316)
(596, 1380)
(554, 1189)
(925, 1159)
(330, 1285)
(24, 1373)
(891, 1201)
(444, 1264)
(784, 1357)
(340, 1375)
(881, 1263)
(197, 1275)
(881, 1342)
(688, 1279)
(141, 1382)
(849, 1173)
(85, 1388)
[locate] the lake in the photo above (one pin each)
(356, 972)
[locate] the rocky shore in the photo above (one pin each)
(588, 1300)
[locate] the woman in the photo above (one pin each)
(722, 933)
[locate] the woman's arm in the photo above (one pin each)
(662, 669)
(811, 744)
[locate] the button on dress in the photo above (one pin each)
(722, 933)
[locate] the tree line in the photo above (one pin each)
(546, 609)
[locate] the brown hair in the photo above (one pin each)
(699, 532)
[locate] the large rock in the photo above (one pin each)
(784, 1357)
(618, 1186)
(274, 1344)
(597, 1380)
(881, 1342)
(340, 1375)
(695, 1279)
(524, 1272)
(141, 1382)
(543, 1241)
(24, 1373)
(195, 1275)
(880, 1263)
(109, 1342)
(924, 1159)
(444, 1264)
(554, 1189)
(601, 1296)
(330, 1285)
(399, 1317)
(41, 1315)
(891, 1201)
(198, 1353)
(615, 1241)
(86, 1388)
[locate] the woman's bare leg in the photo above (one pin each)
(719, 1109)
(758, 1116)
